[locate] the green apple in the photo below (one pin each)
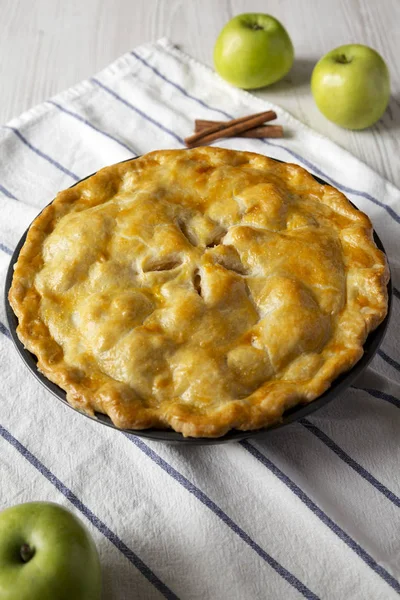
(351, 86)
(46, 553)
(253, 50)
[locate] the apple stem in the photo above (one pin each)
(343, 59)
(26, 552)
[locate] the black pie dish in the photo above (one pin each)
(339, 385)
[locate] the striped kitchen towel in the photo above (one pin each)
(310, 511)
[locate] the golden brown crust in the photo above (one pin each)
(202, 290)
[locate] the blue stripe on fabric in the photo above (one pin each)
(5, 249)
(42, 154)
(179, 87)
(350, 461)
(352, 544)
(344, 188)
(96, 522)
(137, 110)
(381, 395)
(89, 124)
(201, 496)
(305, 161)
(7, 193)
(393, 363)
(4, 331)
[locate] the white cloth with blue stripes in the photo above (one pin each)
(311, 511)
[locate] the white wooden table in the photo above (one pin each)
(48, 45)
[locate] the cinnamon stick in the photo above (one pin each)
(266, 131)
(229, 128)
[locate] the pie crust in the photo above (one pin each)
(199, 290)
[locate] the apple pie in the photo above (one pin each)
(200, 290)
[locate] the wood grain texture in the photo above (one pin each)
(49, 45)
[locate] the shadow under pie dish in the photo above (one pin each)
(199, 290)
